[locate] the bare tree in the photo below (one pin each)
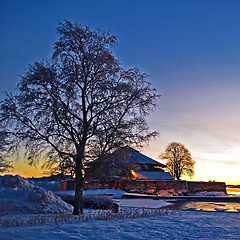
(80, 105)
(5, 164)
(179, 160)
(107, 167)
(61, 166)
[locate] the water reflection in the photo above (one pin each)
(209, 206)
(205, 206)
(233, 191)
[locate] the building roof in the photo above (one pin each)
(132, 155)
(155, 175)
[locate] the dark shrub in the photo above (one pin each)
(98, 202)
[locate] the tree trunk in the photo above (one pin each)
(79, 182)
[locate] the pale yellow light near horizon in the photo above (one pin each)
(222, 167)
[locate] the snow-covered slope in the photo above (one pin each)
(18, 195)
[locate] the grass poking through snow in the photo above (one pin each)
(15, 221)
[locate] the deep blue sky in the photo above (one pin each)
(190, 49)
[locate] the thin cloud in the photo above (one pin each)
(220, 161)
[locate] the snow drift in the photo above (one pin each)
(18, 195)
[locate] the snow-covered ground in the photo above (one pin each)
(115, 193)
(181, 225)
(22, 201)
(142, 203)
(18, 195)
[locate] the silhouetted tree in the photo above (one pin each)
(62, 166)
(119, 163)
(80, 105)
(5, 164)
(179, 160)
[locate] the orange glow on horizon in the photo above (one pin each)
(20, 167)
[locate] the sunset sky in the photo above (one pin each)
(189, 48)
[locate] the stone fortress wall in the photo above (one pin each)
(152, 187)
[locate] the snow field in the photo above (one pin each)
(184, 225)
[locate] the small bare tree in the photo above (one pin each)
(179, 160)
(80, 105)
